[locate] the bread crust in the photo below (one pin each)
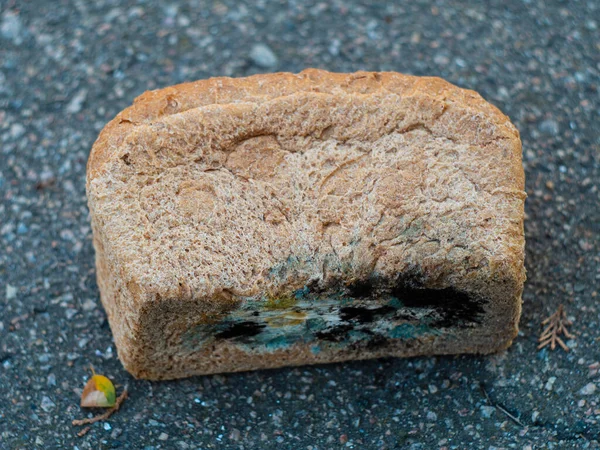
(406, 181)
(156, 104)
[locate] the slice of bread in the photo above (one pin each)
(290, 219)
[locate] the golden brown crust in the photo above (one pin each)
(152, 105)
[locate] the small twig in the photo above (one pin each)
(501, 408)
(106, 415)
(514, 419)
(556, 324)
(84, 431)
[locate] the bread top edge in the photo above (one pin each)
(161, 103)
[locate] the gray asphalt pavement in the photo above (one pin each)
(67, 67)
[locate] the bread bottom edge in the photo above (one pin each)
(230, 359)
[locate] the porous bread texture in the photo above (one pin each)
(201, 194)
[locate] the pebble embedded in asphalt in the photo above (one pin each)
(263, 56)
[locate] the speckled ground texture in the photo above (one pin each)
(67, 67)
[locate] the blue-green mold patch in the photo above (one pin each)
(408, 331)
(332, 322)
(277, 343)
(358, 314)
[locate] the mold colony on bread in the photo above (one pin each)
(363, 313)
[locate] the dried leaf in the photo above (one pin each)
(106, 415)
(98, 392)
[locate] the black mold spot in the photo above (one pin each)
(241, 330)
(455, 308)
(335, 334)
(361, 314)
(360, 288)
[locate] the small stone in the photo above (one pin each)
(431, 416)
(550, 383)
(107, 426)
(263, 56)
(534, 416)
(585, 245)
(433, 388)
(51, 380)
(47, 404)
(334, 47)
(441, 60)
(108, 354)
(487, 411)
(89, 305)
(16, 130)
(11, 27)
(163, 436)
(183, 21)
(67, 235)
(171, 10)
(11, 292)
(588, 389)
(70, 313)
(549, 127)
(503, 92)
(76, 102)
(235, 435)
(39, 441)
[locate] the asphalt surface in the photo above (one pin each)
(67, 67)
